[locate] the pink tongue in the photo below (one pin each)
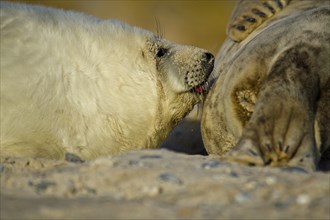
(199, 89)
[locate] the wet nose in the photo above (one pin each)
(208, 63)
(209, 57)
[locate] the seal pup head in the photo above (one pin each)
(184, 68)
(182, 74)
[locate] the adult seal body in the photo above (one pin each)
(73, 83)
(271, 102)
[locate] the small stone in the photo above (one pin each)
(276, 194)
(104, 161)
(270, 180)
(171, 178)
(242, 197)
(73, 158)
(294, 170)
(136, 163)
(151, 156)
(91, 190)
(303, 199)
(281, 205)
(251, 185)
(211, 164)
(2, 168)
(233, 174)
(152, 190)
(43, 185)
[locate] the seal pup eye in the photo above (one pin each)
(161, 52)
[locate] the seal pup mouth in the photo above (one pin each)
(201, 88)
(197, 78)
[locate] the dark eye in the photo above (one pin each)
(161, 52)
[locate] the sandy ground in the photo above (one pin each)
(159, 184)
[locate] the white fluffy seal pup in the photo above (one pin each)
(73, 83)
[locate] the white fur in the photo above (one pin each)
(77, 84)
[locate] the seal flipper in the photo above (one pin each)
(280, 131)
(248, 15)
(245, 152)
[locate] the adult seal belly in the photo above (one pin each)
(271, 102)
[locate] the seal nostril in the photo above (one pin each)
(208, 56)
(207, 64)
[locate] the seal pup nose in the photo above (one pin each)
(208, 62)
(209, 57)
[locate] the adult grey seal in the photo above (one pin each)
(271, 102)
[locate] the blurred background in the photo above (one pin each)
(201, 23)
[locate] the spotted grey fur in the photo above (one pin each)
(271, 102)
